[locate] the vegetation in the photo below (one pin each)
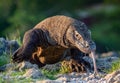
(114, 67)
(50, 74)
(4, 59)
(13, 77)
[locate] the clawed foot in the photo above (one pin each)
(76, 66)
(17, 56)
(17, 59)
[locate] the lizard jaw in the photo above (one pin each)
(86, 49)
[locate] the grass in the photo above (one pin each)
(50, 74)
(15, 80)
(5, 58)
(16, 36)
(114, 67)
(13, 77)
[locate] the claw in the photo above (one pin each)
(17, 56)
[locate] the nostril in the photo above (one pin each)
(87, 46)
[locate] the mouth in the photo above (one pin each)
(86, 49)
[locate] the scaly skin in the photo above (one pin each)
(52, 39)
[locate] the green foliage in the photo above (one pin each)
(17, 73)
(16, 80)
(112, 1)
(22, 16)
(15, 37)
(107, 33)
(4, 59)
(14, 77)
(114, 67)
(50, 74)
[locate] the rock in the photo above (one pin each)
(110, 54)
(32, 70)
(48, 81)
(117, 77)
(64, 78)
(33, 73)
(113, 77)
(105, 63)
(11, 46)
(2, 45)
(8, 46)
(88, 59)
(26, 65)
(117, 82)
(20, 66)
(7, 67)
(2, 68)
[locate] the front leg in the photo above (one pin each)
(76, 63)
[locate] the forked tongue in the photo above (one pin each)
(92, 55)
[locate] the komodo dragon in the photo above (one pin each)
(53, 39)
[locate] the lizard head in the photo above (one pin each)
(79, 36)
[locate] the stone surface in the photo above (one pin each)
(48, 81)
(113, 77)
(8, 46)
(6, 67)
(32, 70)
(2, 45)
(102, 63)
(33, 73)
(26, 65)
(52, 67)
(105, 63)
(11, 46)
(110, 54)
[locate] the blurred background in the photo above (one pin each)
(101, 16)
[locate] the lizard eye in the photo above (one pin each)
(77, 35)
